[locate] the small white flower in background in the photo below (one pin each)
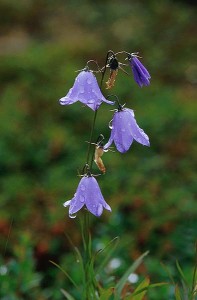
(114, 263)
(133, 278)
(3, 270)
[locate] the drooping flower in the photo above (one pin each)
(88, 194)
(124, 130)
(85, 90)
(140, 73)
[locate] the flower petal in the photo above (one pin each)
(141, 67)
(111, 139)
(122, 136)
(94, 198)
(138, 134)
(141, 74)
(67, 203)
(85, 90)
(88, 193)
(75, 205)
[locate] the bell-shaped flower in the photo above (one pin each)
(140, 73)
(88, 194)
(124, 130)
(85, 90)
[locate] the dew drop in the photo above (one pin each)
(82, 198)
(3, 270)
(72, 216)
(123, 130)
(89, 81)
(81, 90)
(83, 187)
(110, 125)
(99, 209)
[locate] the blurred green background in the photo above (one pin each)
(42, 144)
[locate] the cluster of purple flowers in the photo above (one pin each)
(124, 129)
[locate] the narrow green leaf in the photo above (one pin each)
(119, 286)
(67, 295)
(68, 276)
(194, 278)
(157, 284)
(149, 286)
(168, 272)
(177, 293)
(80, 261)
(112, 246)
(140, 291)
(181, 273)
(105, 294)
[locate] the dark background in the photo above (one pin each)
(42, 144)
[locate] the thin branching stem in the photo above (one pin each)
(94, 120)
(90, 288)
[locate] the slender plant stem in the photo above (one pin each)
(90, 291)
(91, 136)
(90, 287)
(94, 118)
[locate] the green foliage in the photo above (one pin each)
(19, 279)
(183, 289)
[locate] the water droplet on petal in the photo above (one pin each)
(82, 198)
(110, 125)
(72, 216)
(99, 209)
(89, 81)
(123, 130)
(83, 187)
(81, 90)
(67, 203)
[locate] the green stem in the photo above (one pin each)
(94, 119)
(90, 291)
(91, 136)
(90, 287)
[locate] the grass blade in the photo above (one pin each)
(67, 295)
(63, 271)
(113, 244)
(181, 273)
(177, 293)
(119, 286)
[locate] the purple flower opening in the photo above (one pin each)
(124, 130)
(89, 194)
(85, 90)
(140, 73)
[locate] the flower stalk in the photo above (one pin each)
(123, 131)
(90, 290)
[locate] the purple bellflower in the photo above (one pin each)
(140, 73)
(85, 90)
(89, 194)
(124, 130)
